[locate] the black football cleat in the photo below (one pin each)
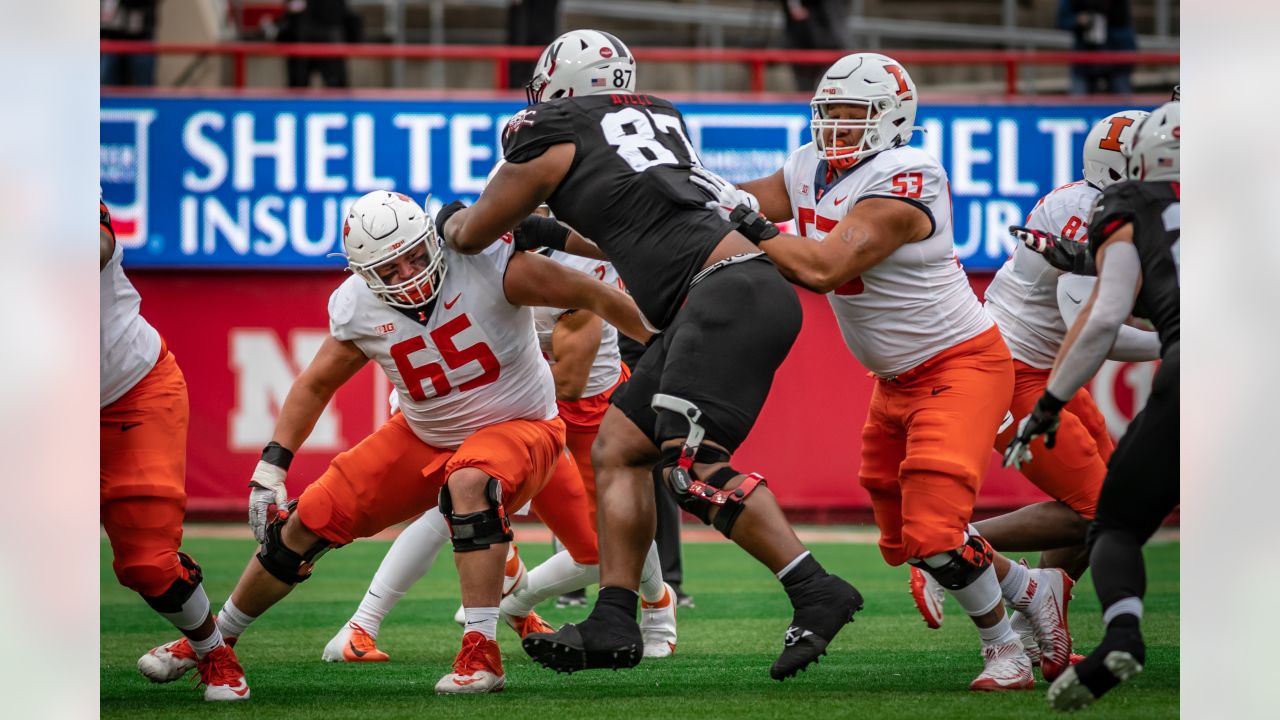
(825, 606)
(569, 649)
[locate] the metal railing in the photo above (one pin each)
(756, 59)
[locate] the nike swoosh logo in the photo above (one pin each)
(939, 389)
(126, 427)
(471, 681)
(449, 305)
(242, 690)
(840, 200)
(1073, 298)
(355, 650)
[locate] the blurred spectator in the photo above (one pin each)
(814, 25)
(530, 22)
(128, 20)
(1099, 25)
(318, 21)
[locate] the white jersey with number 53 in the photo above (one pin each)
(472, 362)
(1023, 296)
(915, 303)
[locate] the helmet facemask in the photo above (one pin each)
(418, 289)
(838, 154)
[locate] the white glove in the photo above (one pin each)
(268, 489)
(727, 195)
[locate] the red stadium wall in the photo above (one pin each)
(242, 337)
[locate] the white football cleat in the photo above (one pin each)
(658, 625)
(928, 596)
(1026, 634)
(1006, 668)
(353, 644)
(1051, 592)
(168, 662)
(222, 676)
(476, 669)
(514, 577)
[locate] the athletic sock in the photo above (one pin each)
(483, 620)
(206, 646)
(999, 634)
(796, 575)
(559, 574)
(232, 622)
(1016, 586)
(409, 558)
(652, 588)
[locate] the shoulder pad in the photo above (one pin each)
(532, 130)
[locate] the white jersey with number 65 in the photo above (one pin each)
(915, 303)
(473, 361)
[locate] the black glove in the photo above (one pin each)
(754, 226)
(444, 214)
(1062, 253)
(1043, 421)
(537, 231)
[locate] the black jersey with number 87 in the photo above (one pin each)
(627, 190)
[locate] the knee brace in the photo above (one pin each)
(477, 530)
(284, 564)
(966, 564)
(172, 599)
(697, 496)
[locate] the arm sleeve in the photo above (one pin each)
(531, 131)
(1080, 361)
(1132, 344)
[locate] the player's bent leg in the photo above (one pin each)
(559, 574)
(610, 636)
(472, 503)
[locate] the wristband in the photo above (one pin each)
(537, 231)
(753, 226)
(276, 454)
(1050, 404)
(444, 214)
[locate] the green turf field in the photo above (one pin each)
(885, 665)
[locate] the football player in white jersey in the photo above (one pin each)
(142, 490)
(477, 433)
(582, 351)
(1033, 302)
(874, 221)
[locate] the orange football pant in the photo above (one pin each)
(142, 482)
(927, 442)
(1072, 472)
(582, 420)
(391, 476)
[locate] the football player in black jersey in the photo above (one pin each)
(1134, 239)
(614, 165)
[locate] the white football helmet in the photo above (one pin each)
(582, 62)
(876, 82)
(1154, 152)
(384, 228)
(1106, 148)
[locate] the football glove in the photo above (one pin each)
(1062, 253)
(1042, 422)
(734, 204)
(267, 488)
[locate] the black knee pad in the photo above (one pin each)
(477, 530)
(172, 600)
(966, 565)
(284, 564)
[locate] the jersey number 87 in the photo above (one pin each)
(634, 134)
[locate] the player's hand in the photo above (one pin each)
(725, 195)
(266, 489)
(1042, 422)
(1062, 253)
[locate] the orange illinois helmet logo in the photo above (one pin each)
(1111, 141)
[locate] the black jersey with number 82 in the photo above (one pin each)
(627, 190)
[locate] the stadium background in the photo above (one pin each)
(228, 189)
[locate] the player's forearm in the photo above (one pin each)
(575, 244)
(618, 309)
(468, 237)
(571, 382)
(1135, 345)
(1094, 333)
(800, 260)
(301, 411)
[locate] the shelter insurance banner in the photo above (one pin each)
(263, 183)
